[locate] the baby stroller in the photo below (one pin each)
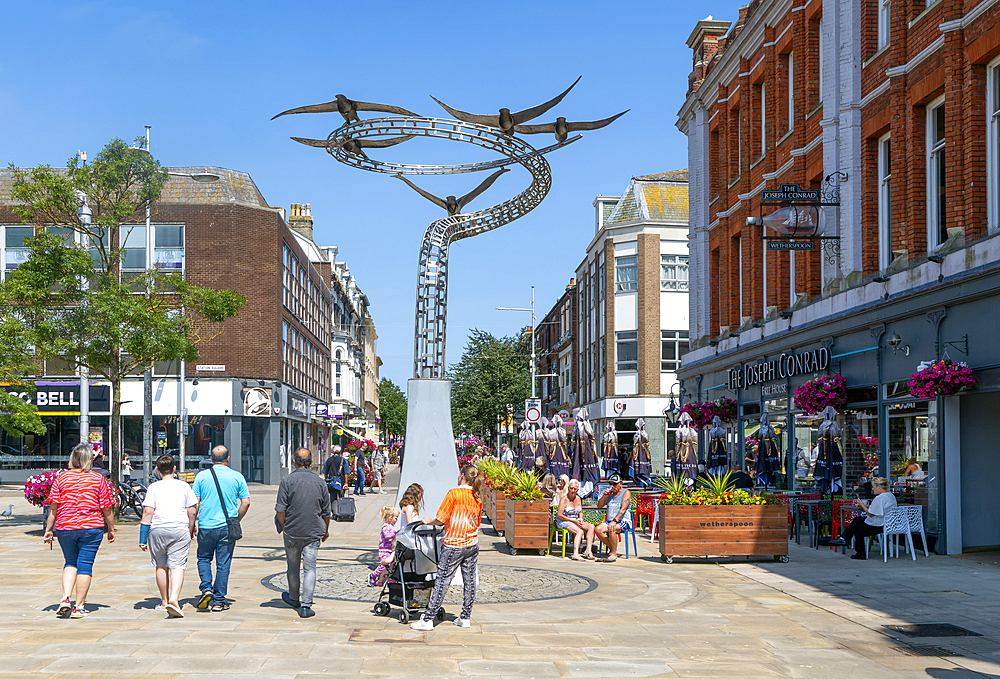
(412, 573)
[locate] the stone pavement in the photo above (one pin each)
(821, 615)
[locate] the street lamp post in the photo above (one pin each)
(532, 310)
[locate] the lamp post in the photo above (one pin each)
(147, 376)
(532, 310)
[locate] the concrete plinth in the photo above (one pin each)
(429, 457)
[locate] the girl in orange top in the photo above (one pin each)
(460, 514)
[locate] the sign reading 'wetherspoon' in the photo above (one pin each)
(786, 365)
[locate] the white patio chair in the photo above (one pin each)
(897, 523)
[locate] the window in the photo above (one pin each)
(763, 119)
(791, 91)
(673, 345)
(16, 253)
(937, 229)
(133, 243)
(820, 61)
(884, 202)
(993, 146)
(738, 248)
(883, 23)
(627, 274)
(628, 350)
(673, 272)
(168, 242)
(336, 368)
(600, 281)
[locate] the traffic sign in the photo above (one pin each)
(533, 409)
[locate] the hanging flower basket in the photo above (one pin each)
(701, 413)
(815, 395)
(942, 378)
(725, 408)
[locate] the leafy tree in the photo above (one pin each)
(492, 372)
(17, 415)
(392, 407)
(70, 299)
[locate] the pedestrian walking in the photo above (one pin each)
(378, 467)
(507, 455)
(169, 523)
(80, 510)
(222, 495)
(335, 475)
(359, 471)
(303, 513)
(460, 513)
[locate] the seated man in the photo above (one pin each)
(618, 517)
(741, 480)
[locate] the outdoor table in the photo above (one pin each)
(809, 504)
(592, 515)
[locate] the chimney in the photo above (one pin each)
(707, 38)
(300, 219)
(572, 284)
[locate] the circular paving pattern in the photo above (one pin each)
(497, 584)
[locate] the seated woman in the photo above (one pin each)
(548, 485)
(568, 518)
(871, 522)
(914, 470)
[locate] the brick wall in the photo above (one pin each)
(649, 313)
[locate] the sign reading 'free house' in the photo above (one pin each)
(61, 398)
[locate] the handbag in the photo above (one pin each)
(336, 481)
(232, 524)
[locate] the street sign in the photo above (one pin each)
(533, 409)
(791, 245)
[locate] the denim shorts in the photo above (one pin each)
(79, 548)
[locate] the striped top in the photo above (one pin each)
(461, 513)
(81, 496)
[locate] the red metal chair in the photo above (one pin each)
(785, 499)
(645, 509)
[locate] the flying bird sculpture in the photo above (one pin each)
(561, 128)
(506, 121)
(451, 204)
(347, 108)
(354, 146)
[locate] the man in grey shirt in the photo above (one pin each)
(303, 513)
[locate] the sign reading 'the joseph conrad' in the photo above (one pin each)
(786, 365)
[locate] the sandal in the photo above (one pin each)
(218, 608)
(174, 611)
(577, 557)
(204, 600)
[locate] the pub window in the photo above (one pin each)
(884, 202)
(993, 145)
(883, 22)
(937, 227)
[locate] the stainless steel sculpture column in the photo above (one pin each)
(429, 430)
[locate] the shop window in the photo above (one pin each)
(628, 350)
(884, 202)
(16, 253)
(627, 274)
(133, 243)
(993, 145)
(937, 227)
(673, 272)
(673, 345)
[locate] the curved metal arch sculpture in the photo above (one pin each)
(432, 267)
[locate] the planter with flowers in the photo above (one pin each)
(725, 408)
(526, 515)
(942, 378)
(718, 520)
(815, 395)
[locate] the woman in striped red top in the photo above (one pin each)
(80, 505)
(460, 514)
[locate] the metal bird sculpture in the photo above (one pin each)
(561, 128)
(347, 108)
(506, 120)
(354, 146)
(451, 204)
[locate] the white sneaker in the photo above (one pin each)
(462, 622)
(423, 625)
(381, 492)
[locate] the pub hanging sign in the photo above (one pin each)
(784, 366)
(800, 219)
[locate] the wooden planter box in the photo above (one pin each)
(526, 525)
(499, 504)
(488, 502)
(723, 530)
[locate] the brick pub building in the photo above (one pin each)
(275, 354)
(895, 106)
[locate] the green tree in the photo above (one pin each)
(492, 372)
(17, 415)
(70, 298)
(392, 408)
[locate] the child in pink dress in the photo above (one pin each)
(386, 545)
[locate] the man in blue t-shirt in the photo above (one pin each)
(213, 535)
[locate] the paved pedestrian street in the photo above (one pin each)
(821, 615)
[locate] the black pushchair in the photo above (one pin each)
(412, 574)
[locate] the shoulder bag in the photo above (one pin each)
(232, 524)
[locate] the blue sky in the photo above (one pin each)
(208, 76)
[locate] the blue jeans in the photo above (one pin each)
(359, 484)
(215, 541)
(79, 548)
(300, 555)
